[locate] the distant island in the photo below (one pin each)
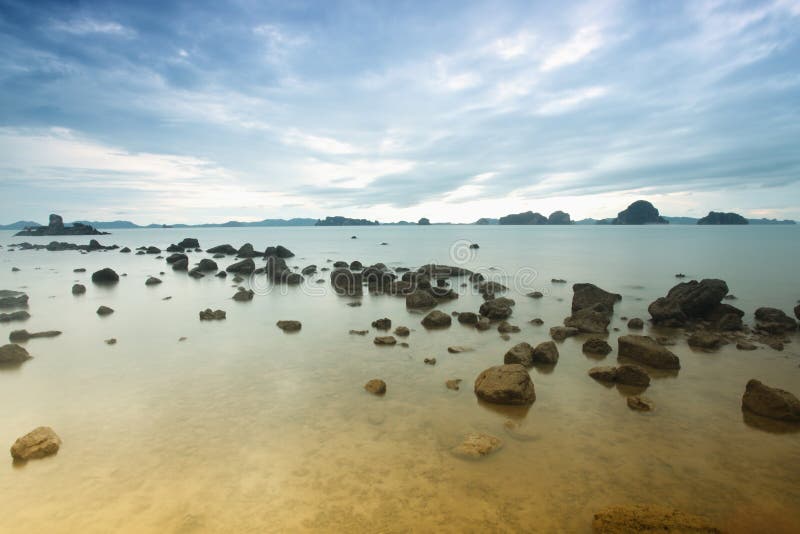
(640, 212)
(345, 221)
(718, 217)
(56, 227)
(529, 217)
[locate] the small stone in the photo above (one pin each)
(359, 332)
(436, 319)
(209, 315)
(376, 386)
(458, 349)
(402, 331)
(596, 346)
(536, 321)
(430, 361)
(506, 328)
(635, 324)
(453, 384)
(385, 340)
(289, 326)
(111, 341)
(40, 442)
(640, 404)
(382, 324)
(535, 294)
(104, 310)
(745, 345)
(152, 281)
(78, 289)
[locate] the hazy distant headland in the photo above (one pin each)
(640, 212)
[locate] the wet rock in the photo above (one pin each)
(536, 294)
(246, 266)
(376, 386)
(644, 349)
(78, 289)
(454, 384)
(496, 309)
(152, 281)
(521, 353)
(635, 324)
(38, 443)
(770, 402)
(640, 404)
(244, 295)
(15, 269)
(280, 251)
(382, 324)
(207, 265)
(557, 281)
(354, 304)
(589, 296)
(797, 312)
(20, 336)
(483, 324)
(226, 249)
(359, 332)
(688, 301)
(345, 282)
(477, 445)
(596, 346)
(745, 345)
(420, 300)
(402, 331)
(505, 384)
(13, 354)
(560, 333)
(603, 373)
(649, 518)
(436, 319)
(105, 276)
(467, 318)
(247, 251)
(289, 326)
(308, 270)
(153, 250)
(490, 287)
(104, 310)
(430, 361)
(725, 318)
(385, 340)
(174, 258)
(774, 321)
(458, 349)
(209, 315)
(356, 265)
(545, 353)
(13, 299)
(632, 375)
(590, 320)
(180, 265)
(79, 270)
(706, 341)
(189, 242)
(506, 328)
(221, 274)
(20, 315)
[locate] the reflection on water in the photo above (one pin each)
(242, 427)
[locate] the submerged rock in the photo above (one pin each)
(706, 341)
(23, 335)
(420, 300)
(628, 375)
(222, 249)
(477, 445)
(644, 349)
(402, 331)
(78, 289)
(505, 384)
(770, 402)
(13, 299)
(745, 345)
(20, 315)
(12, 354)
(497, 309)
(774, 321)
(467, 318)
(649, 518)
(152, 281)
(359, 332)
(244, 295)
(385, 340)
(454, 384)
(507, 328)
(640, 404)
(246, 266)
(38, 443)
(458, 349)
(560, 333)
(376, 386)
(635, 324)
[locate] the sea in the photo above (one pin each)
(241, 427)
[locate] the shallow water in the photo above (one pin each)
(244, 428)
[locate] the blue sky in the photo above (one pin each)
(210, 111)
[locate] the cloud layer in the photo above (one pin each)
(209, 111)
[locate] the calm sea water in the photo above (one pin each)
(244, 428)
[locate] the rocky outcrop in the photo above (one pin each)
(770, 402)
(436, 319)
(688, 301)
(505, 384)
(774, 321)
(718, 217)
(592, 308)
(38, 443)
(526, 218)
(639, 212)
(189, 242)
(105, 276)
(559, 217)
(13, 354)
(646, 350)
(477, 445)
(649, 518)
(56, 227)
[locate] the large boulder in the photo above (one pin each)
(246, 266)
(437, 319)
(247, 251)
(545, 353)
(589, 295)
(38, 443)
(688, 301)
(189, 242)
(650, 519)
(13, 354)
(505, 384)
(420, 300)
(770, 402)
(592, 308)
(207, 265)
(105, 276)
(590, 320)
(774, 321)
(646, 350)
(280, 251)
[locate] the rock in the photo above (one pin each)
(688, 301)
(247, 251)
(289, 326)
(745, 345)
(180, 265)
(20, 315)
(78, 289)
(436, 319)
(38, 443)
(111, 341)
(221, 274)
(453, 384)
(632, 375)
(222, 249)
(590, 320)
(385, 340)
(589, 295)
(644, 349)
(430, 361)
(557, 281)
(596, 346)
(79, 270)
(458, 349)
(359, 332)
(640, 404)
(310, 269)
(354, 304)
(707, 341)
(483, 324)
(505, 384)
(246, 266)
(189, 242)
(496, 309)
(153, 250)
(467, 318)
(769, 402)
(419, 299)
(521, 353)
(125, 250)
(382, 324)
(649, 518)
(477, 445)
(18, 336)
(560, 333)
(536, 294)
(346, 282)
(105, 276)
(490, 287)
(280, 251)
(244, 295)
(506, 328)
(402, 331)
(376, 386)
(718, 217)
(774, 321)
(536, 321)
(635, 324)
(104, 310)
(545, 353)
(13, 299)
(174, 258)
(152, 281)
(15, 269)
(13, 354)
(206, 265)
(797, 312)
(603, 373)
(209, 315)
(356, 265)
(725, 318)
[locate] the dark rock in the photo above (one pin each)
(640, 404)
(589, 295)
(604, 373)
(745, 345)
(632, 375)
(436, 319)
(175, 248)
(21, 315)
(545, 353)
(535, 294)
(688, 301)
(311, 269)
(467, 318)
(483, 324)
(222, 249)
(189, 242)
(797, 312)
(246, 266)
(419, 300)
(505, 384)
(78, 289)
(79, 270)
(105, 276)
(356, 265)
(376, 386)
(774, 321)
(340, 265)
(507, 328)
(221, 274)
(180, 265)
(152, 281)
(244, 295)
(385, 340)
(769, 402)
(496, 309)
(280, 251)
(56, 227)
(429, 361)
(644, 349)
(125, 250)
(153, 250)
(536, 321)
(104, 310)
(596, 346)
(13, 354)
(707, 341)
(207, 265)
(521, 353)
(173, 258)
(557, 281)
(289, 326)
(382, 324)
(560, 333)
(454, 384)
(718, 217)
(589, 320)
(635, 324)
(402, 331)
(209, 315)
(38, 443)
(457, 349)
(359, 332)
(20, 336)
(294, 279)
(346, 282)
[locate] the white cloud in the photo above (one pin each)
(584, 42)
(317, 143)
(86, 26)
(571, 100)
(512, 47)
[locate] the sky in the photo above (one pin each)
(209, 111)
